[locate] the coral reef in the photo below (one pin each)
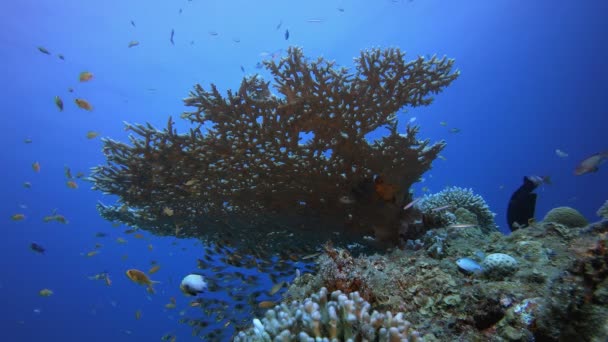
(603, 210)
(457, 205)
(576, 306)
(281, 169)
(560, 275)
(566, 216)
(324, 317)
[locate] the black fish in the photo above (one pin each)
(286, 34)
(522, 204)
(242, 69)
(132, 23)
(172, 34)
(280, 24)
(37, 248)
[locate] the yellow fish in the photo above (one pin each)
(45, 292)
(141, 278)
(18, 217)
(266, 304)
(154, 269)
(92, 135)
(276, 288)
(138, 314)
(85, 76)
(92, 253)
(84, 104)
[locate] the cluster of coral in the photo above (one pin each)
(259, 167)
(458, 206)
(546, 282)
(325, 317)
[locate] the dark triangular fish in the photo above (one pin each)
(522, 204)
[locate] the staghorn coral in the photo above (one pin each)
(566, 216)
(454, 200)
(252, 179)
(324, 317)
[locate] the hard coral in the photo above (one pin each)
(567, 216)
(322, 317)
(452, 201)
(252, 174)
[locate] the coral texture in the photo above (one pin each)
(603, 210)
(270, 165)
(321, 317)
(499, 264)
(567, 216)
(452, 200)
(560, 283)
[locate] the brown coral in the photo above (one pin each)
(251, 174)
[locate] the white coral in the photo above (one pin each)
(342, 318)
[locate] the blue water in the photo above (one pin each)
(533, 80)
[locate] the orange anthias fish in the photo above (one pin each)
(85, 76)
(591, 164)
(84, 104)
(36, 166)
(385, 190)
(141, 278)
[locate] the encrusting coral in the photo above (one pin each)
(256, 167)
(325, 317)
(566, 216)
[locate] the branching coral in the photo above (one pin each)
(322, 317)
(252, 172)
(451, 202)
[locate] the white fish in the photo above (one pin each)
(193, 284)
(412, 119)
(561, 153)
(469, 265)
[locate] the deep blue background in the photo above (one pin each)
(533, 80)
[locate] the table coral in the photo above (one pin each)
(257, 167)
